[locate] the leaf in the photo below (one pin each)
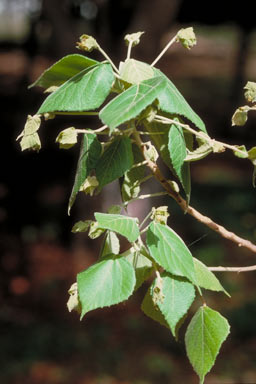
(141, 264)
(95, 230)
(131, 102)
(159, 135)
(206, 279)
(67, 138)
(250, 91)
(240, 116)
(81, 226)
(179, 295)
(131, 183)
(160, 214)
(186, 37)
(134, 71)
(30, 142)
(125, 226)
(151, 311)
(111, 245)
(178, 153)
(83, 92)
(90, 185)
(105, 283)
(133, 38)
(203, 339)
(29, 136)
(242, 152)
(169, 251)
(63, 70)
(90, 152)
(87, 43)
(199, 153)
(172, 101)
(73, 303)
(115, 161)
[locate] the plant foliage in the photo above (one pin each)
(139, 102)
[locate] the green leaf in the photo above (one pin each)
(250, 91)
(95, 230)
(67, 138)
(134, 71)
(178, 153)
(90, 152)
(106, 283)
(179, 296)
(131, 183)
(169, 251)
(206, 279)
(29, 136)
(63, 70)
(240, 116)
(90, 185)
(81, 226)
(133, 38)
(186, 37)
(87, 43)
(199, 153)
(149, 308)
(131, 102)
(115, 161)
(160, 214)
(241, 148)
(172, 101)
(141, 264)
(84, 92)
(159, 135)
(111, 245)
(73, 303)
(125, 226)
(204, 337)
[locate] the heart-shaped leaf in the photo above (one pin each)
(105, 283)
(83, 92)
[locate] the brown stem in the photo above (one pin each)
(233, 269)
(187, 208)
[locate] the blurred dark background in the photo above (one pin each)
(40, 341)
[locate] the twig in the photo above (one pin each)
(164, 50)
(99, 131)
(108, 59)
(202, 135)
(187, 208)
(233, 269)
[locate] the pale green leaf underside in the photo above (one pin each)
(63, 70)
(130, 188)
(115, 161)
(90, 152)
(106, 283)
(141, 264)
(84, 92)
(172, 101)
(179, 295)
(206, 279)
(111, 245)
(134, 71)
(178, 153)
(169, 250)
(131, 102)
(125, 226)
(159, 135)
(204, 337)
